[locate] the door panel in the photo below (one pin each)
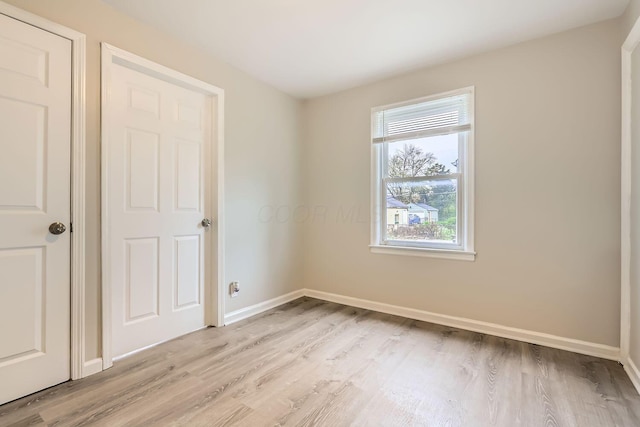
(35, 142)
(187, 278)
(159, 136)
(188, 176)
(24, 297)
(23, 59)
(142, 160)
(141, 298)
(25, 166)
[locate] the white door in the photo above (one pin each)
(35, 143)
(159, 142)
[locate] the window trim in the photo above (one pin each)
(466, 200)
(423, 252)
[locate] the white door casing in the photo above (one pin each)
(35, 142)
(628, 229)
(160, 149)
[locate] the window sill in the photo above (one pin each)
(423, 252)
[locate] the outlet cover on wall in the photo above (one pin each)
(234, 289)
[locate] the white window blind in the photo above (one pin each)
(430, 118)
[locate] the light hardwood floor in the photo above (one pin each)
(311, 362)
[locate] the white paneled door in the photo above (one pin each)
(35, 144)
(159, 142)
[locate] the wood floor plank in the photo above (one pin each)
(315, 363)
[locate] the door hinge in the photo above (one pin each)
(70, 227)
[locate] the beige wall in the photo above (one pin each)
(262, 151)
(630, 16)
(547, 135)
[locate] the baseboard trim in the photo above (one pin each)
(632, 370)
(91, 367)
(252, 310)
(539, 338)
(562, 343)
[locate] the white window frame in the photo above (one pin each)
(464, 249)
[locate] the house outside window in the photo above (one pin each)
(422, 176)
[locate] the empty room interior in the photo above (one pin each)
(320, 213)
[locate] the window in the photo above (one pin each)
(422, 176)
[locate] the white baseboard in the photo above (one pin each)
(243, 313)
(91, 367)
(548, 340)
(577, 346)
(632, 370)
(562, 343)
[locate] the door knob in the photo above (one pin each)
(57, 228)
(206, 222)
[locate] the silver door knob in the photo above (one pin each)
(57, 228)
(206, 223)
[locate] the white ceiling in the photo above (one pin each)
(313, 47)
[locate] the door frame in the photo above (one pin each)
(631, 43)
(214, 292)
(80, 367)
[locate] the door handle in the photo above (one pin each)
(206, 223)
(57, 228)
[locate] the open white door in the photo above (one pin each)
(158, 189)
(35, 147)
